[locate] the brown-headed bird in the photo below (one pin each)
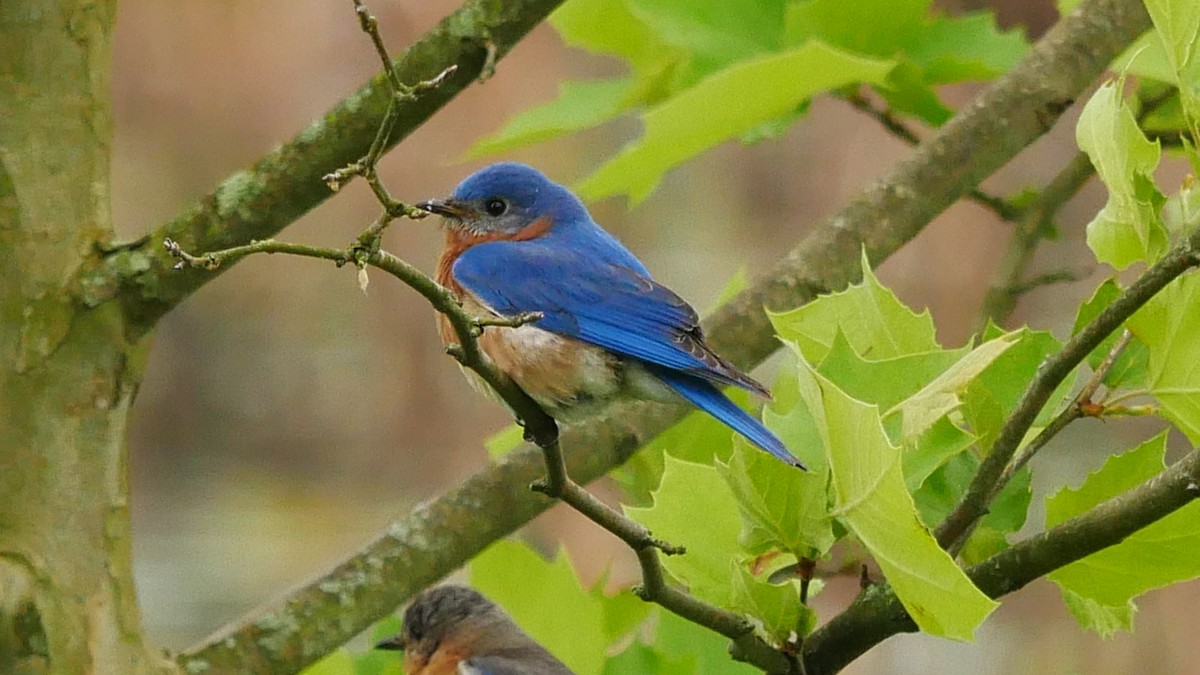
(454, 630)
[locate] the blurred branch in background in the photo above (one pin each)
(279, 188)
(1035, 224)
(442, 534)
(1002, 207)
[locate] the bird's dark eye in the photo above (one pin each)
(495, 206)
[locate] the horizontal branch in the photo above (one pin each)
(878, 615)
(258, 202)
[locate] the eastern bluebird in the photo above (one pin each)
(517, 242)
(454, 630)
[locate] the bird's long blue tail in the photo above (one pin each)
(704, 395)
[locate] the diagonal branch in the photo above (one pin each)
(990, 478)
(878, 615)
(1002, 207)
(258, 202)
(442, 534)
(1036, 224)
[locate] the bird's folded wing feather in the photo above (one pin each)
(596, 300)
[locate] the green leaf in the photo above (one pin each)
(790, 419)
(623, 612)
(877, 325)
(1160, 554)
(1181, 215)
(1177, 22)
(764, 87)
(642, 659)
(1129, 228)
(1130, 368)
(690, 491)
(504, 441)
(1168, 326)
(608, 27)
(943, 394)
(522, 582)
(777, 607)
(933, 449)
(961, 48)
(907, 92)
(709, 652)
(788, 507)
(336, 663)
(932, 50)
(579, 106)
(856, 26)
(715, 30)
(886, 382)
(698, 437)
(1006, 514)
(872, 501)
(944, 488)
(993, 395)
(1105, 620)
(1146, 58)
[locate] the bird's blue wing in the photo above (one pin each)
(590, 295)
(703, 395)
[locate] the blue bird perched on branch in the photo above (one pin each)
(517, 243)
(454, 630)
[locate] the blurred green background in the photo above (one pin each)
(285, 416)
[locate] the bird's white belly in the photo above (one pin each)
(570, 379)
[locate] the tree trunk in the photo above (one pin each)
(68, 373)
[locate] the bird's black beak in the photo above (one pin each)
(392, 644)
(449, 208)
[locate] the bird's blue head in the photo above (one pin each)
(503, 199)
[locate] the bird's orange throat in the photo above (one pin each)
(459, 239)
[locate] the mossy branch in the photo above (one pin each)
(259, 201)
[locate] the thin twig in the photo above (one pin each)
(1034, 226)
(896, 126)
(987, 482)
(541, 429)
(873, 617)
(1079, 407)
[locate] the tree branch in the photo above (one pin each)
(1035, 225)
(989, 479)
(258, 202)
(1002, 120)
(877, 614)
(1002, 207)
(1076, 409)
(440, 535)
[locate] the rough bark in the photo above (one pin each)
(67, 375)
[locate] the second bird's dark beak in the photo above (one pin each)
(392, 644)
(449, 208)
